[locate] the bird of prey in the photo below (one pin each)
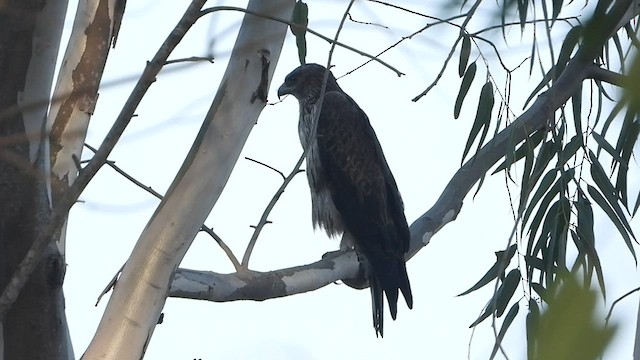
(352, 189)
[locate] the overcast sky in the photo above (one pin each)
(422, 143)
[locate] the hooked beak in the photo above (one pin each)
(283, 90)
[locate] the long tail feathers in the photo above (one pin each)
(388, 280)
(377, 304)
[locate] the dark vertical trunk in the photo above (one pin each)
(35, 327)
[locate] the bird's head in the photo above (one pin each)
(305, 82)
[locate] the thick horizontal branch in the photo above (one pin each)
(254, 285)
(345, 265)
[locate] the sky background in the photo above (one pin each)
(422, 143)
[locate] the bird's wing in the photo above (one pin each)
(365, 193)
(362, 185)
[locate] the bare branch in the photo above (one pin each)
(366, 23)
(139, 184)
(110, 285)
(469, 15)
(265, 214)
(402, 39)
(150, 190)
(311, 31)
(253, 285)
(267, 166)
(630, 292)
(223, 246)
(190, 59)
(598, 73)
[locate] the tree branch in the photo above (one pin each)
(344, 264)
(596, 72)
(265, 214)
(330, 41)
(150, 190)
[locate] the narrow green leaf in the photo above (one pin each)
(300, 16)
(569, 43)
(560, 231)
(557, 6)
(545, 154)
(570, 149)
(606, 188)
(612, 115)
(469, 75)
(621, 57)
(503, 329)
(541, 291)
(585, 220)
(534, 262)
(532, 57)
(545, 80)
(489, 276)
(604, 144)
(632, 131)
(526, 180)
(543, 189)
(501, 297)
(599, 199)
(635, 208)
(527, 147)
(594, 261)
(508, 288)
(522, 11)
(576, 106)
(502, 260)
(465, 52)
(549, 252)
(533, 319)
(483, 115)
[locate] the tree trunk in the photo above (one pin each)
(140, 293)
(30, 31)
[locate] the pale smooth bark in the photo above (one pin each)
(140, 293)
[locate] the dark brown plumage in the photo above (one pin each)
(352, 188)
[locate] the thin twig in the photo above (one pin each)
(608, 317)
(298, 26)
(150, 190)
(110, 285)
(267, 166)
(468, 15)
(534, 21)
(223, 246)
(265, 214)
(296, 168)
(408, 37)
(366, 23)
(139, 184)
(190, 59)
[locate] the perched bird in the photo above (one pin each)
(352, 189)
